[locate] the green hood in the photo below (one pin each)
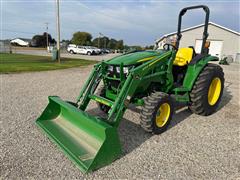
(134, 58)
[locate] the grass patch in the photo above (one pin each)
(23, 63)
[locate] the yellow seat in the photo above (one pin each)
(183, 56)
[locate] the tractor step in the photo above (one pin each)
(180, 89)
(181, 94)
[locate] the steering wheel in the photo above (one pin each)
(169, 47)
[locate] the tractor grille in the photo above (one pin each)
(114, 83)
(114, 73)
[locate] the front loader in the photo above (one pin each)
(155, 80)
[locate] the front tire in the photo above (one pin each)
(207, 90)
(156, 113)
(89, 53)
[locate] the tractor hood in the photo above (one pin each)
(134, 58)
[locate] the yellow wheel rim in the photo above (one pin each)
(214, 91)
(163, 114)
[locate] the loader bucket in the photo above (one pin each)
(87, 140)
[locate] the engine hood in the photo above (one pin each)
(134, 58)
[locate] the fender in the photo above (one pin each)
(194, 69)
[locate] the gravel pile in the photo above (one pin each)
(194, 147)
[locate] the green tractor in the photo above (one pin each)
(156, 80)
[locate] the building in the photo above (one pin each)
(21, 41)
(223, 41)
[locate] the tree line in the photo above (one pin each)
(86, 39)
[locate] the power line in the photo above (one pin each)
(9, 30)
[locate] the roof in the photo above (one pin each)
(24, 39)
(197, 26)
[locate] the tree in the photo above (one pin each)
(112, 44)
(149, 47)
(138, 48)
(37, 41)
(41, 40)
(119, 45)
(53, 41)
(66, 41)
(81, 38)
(101, 42)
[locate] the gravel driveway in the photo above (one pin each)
(194, 147)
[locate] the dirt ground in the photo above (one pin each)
(194, 147)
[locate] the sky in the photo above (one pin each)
(137, 22)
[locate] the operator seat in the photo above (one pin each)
(184, 56)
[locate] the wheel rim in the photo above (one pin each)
(214, 91)
(163, 115)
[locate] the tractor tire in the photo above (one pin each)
(101, 92)
(156, 113)
(207, 91)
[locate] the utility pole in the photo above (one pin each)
(47, 34)
(58, 31)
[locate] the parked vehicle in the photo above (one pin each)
(96, 50)
(105, 51)
(74, 49)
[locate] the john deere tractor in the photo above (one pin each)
(155, 80)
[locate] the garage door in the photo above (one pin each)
(215, 48)
(237, 59)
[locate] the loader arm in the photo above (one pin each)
(135, 76)
(91, 141)
(132, 82)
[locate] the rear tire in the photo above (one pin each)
(101, 92)
(89, 53)
(207, 90)
(156, 113)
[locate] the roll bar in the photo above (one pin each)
(205, 32)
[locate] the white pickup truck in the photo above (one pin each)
(74, 49)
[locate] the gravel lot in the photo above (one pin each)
(194, 147)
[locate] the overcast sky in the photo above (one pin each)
(136, 22)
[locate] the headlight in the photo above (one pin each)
(110, 68)
(125, 70)
(118, 69)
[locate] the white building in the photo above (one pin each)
(21, 41)
(223, 41)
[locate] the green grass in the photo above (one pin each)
(23, 63)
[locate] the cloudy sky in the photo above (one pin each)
(137, 22)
